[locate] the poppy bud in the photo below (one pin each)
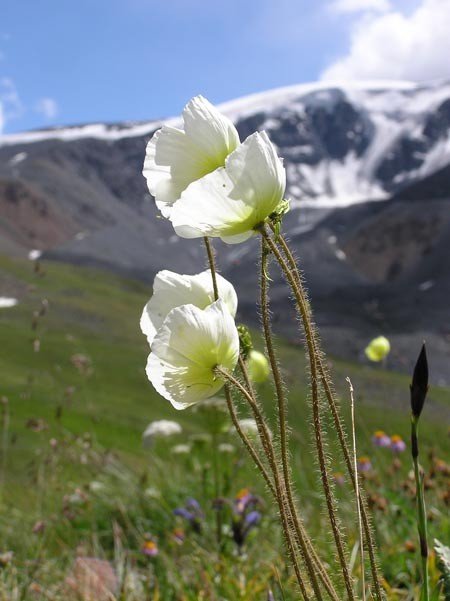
(419, 385)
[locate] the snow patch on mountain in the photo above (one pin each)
(343, 143)
(100, 131)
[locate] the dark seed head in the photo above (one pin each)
(419, 385)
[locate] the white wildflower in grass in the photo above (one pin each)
(6, 302)
(95, 486)
(248, 426)
(177, 157)
(257, 366)
(188, 347)
(152, 493)
(181, 449)
(225, 447)
(378, 349)
(231, 201)
(163, 428)
(172, 290)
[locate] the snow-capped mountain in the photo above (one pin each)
(341, 144)
(368, 168)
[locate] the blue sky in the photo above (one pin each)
(64, 62)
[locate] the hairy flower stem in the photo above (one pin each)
(310, 557)
(278, 489)
(304, 312)
(421, 509)
(247, 443)
(334, 407)
(275, 489)
(212, 265)
(258, 414)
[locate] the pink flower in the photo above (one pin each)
(179, 535)
(398, 445)
(364, 464)
(381, 439)
(150, 548)
(339, 478)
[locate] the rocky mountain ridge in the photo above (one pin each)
(368, 170)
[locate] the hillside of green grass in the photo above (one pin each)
(72, 376)
(96, 314)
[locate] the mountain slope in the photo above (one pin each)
(77, 193)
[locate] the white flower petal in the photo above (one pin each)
(212, 132)
(257, 173)
(227, 293)
(187, 348)
(172, 290)
(158, 178)
(238, 238)
(232, 201)
(206, 209)
(175, 158)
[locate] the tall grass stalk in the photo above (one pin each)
(358, 509)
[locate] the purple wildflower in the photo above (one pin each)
(339, 478)
(178, 535)
(244, 500)
(381, 439)
(398, 445)
(150, 548)
(245, 515)
(192, 513)
(364, 464)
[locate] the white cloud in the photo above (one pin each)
(11, 106)
(352, 6)
(48, 107)
(395, 45)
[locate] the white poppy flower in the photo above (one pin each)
(187, 348)
(162, 428)
(175, 158)
(231, 201)
(172, 290)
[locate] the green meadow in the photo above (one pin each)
(76, 480)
